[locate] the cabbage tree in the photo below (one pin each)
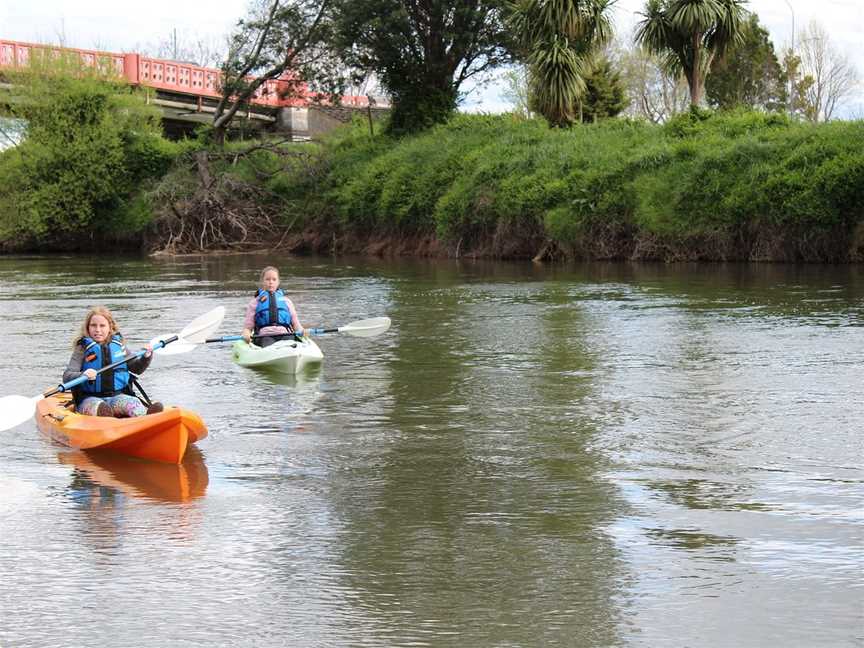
(690, 34)
(559, 39)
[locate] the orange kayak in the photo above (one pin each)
(160, 437)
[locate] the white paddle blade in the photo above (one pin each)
(367, 327)
(196, 332)
(199, 329)
(15, 410)
(175, 348)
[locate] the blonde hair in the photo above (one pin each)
(95, 310)
(265, 271)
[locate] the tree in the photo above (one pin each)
(798, 87)
(829, 76)
(87, 144)
(558, 40)
(290, 40)
(515, 89)
(749, 75)
(689, 34)
(604, 93)
(654, 93)
(422, 50)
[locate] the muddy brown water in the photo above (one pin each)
(587, 455)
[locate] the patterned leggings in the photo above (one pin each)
(123, 405)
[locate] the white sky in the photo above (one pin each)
(122, 25)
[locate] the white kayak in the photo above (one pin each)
(284, 356)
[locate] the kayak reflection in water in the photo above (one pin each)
(109, 477)
(270, 312)
(107, 489)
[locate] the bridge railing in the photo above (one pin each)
(17, 54)
(187, 78)
(162, 74)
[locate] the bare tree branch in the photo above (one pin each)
(290, 42)
(833, 75)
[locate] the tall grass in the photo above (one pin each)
(702, 173)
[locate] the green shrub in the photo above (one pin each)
(90, 146)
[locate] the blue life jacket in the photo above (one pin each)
(96, 356)
(271, 310)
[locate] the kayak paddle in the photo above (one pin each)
(360, 328)
(14, 410)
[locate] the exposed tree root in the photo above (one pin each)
(221, 213)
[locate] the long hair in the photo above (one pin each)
(95, 310)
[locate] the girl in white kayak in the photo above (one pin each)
(270, 314)
(109, 393)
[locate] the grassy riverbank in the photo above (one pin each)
(742, 186)
(705, 186)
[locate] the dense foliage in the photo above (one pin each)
(735, 176)
(745, 185)
(90, 143)
(422, 52)
(605, 95)
(749, 75)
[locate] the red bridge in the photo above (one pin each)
(173, 76)
(185, 91)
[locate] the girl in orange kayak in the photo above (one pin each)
(270, 312)
(109, 393)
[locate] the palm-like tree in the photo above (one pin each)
(559, 38)
(689, 34)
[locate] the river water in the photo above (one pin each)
(590, 455)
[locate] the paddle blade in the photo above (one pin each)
(196, 332)
(199, 329)
(367, 327)
(15, 410)
(172, 349)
